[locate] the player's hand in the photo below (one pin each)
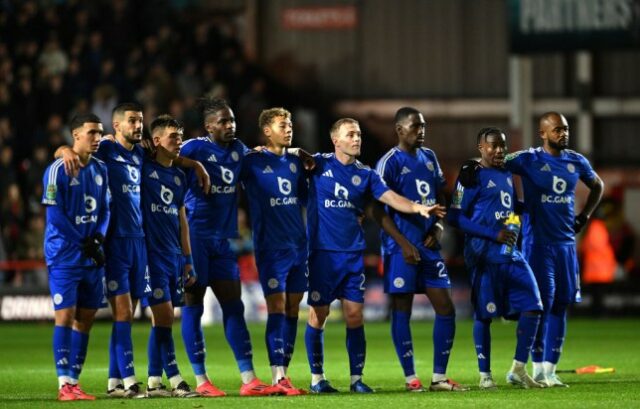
(579, 222)
(259, 148)
(468, 176)
(508, 237)
(189, 275)
(410, 253)
(428, 211)
(147, 145)
(433, 237)
(307, 160)
(92, 249)
(108, 137)
(204, 181)
(71, 161)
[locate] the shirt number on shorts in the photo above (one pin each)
(362, 282)
(442, 269)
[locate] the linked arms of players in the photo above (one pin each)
(404, 205)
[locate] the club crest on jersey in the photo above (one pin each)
(430, 166)
(505, 198)
(177, 181)
(284, 185)
(355, 180)
(226, 174)
(571, 168)
(235, 156)
(98, 180)
(293, 168)
(341, 192)
(134, 175)
(166, 194)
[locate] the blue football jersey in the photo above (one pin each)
(163, 192)
(77, 207)
(337, 196)
(276, 190)
(418, 178)
(480, 212)
(214, 215)
(124, 168)
(549, 185)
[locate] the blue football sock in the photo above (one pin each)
(193, 337)
(61, 349)
(556, 331)
(274, 339)
(482, 340)
(79, 344)
(124, 348)
(314, 341)
(357, 349)
(402, 340)
(114, 371)
(444, 331)
(164, 337)
(153, 354)
(525, 335)
(290, 334)
(237, 334)
(537, 349)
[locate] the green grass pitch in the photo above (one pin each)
(27, 374)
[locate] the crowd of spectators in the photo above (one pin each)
(59, 58)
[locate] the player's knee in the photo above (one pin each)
(276, 303)
(64, 317)
(402, 303)
(318, 316)
(354, 318)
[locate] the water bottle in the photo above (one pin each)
(513, 224)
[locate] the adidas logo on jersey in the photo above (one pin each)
(212, 158)
(74, 182)
(546, 168)
(267, 169)
(119, 158)
(490, 184)
(154, 175)
(328, 174)
(405, 170)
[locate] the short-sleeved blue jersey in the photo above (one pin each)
(163, 192)
(418, 178)
(124, 168)
(549, 184)
(480, 212)
(276, 191)
(214, 215)
(337, 196)
(77, 207)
